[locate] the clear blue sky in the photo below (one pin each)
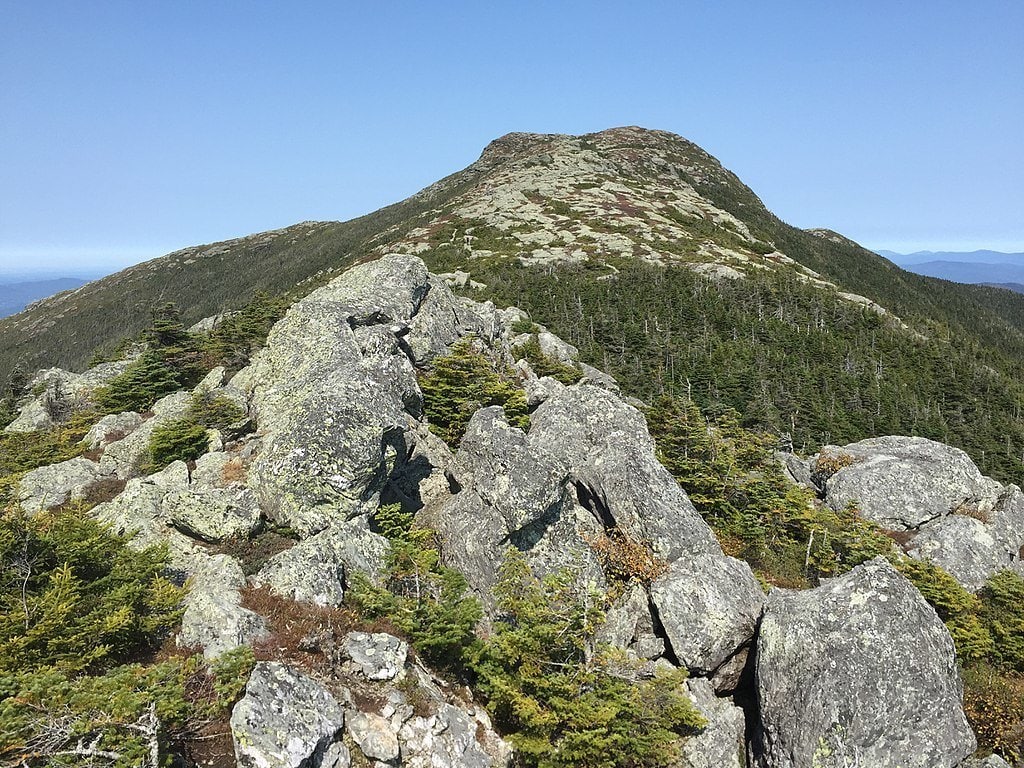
(129, 129)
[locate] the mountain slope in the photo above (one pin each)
(661, 265)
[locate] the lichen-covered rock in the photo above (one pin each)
(55, 484)
(859, 671)
(964, 547)
(475, 539)
(315, 570)
(337, 755)
(209, 471)
(598, 378)
(110, 428)
(214, 617)
(374, 736)
(422, 478)
(212, 514)
(709, 605)
(447, 739)
(376, 655)
(992, 761)
(610, 456)
(522, 482)
(795, 469)
(902, 483)
(138, 512)
(964, 522)
(285, 720)
(623, 617)
(554, 347)
(59, 393)
(124, 458)
(333, 392)
(722, 742)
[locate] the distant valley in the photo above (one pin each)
(993, 268)
(16, 293)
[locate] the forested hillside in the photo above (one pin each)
(661, 265)
(806, 366)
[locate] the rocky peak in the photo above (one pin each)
(597, 199)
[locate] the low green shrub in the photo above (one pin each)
(561, 704)
(24, 451)
(214, 411)
(186, 438)
(1002, 611)
(176, 440)
(75, 597)
(959, 609)
(50, 718)
(734, 480)
(419, 596)
(238, 335)
(459, 384)
(545, 365)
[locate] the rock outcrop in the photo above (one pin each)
(378, 711)
(57, 394)
(859, 671)
(285, 719)
(955, 517)
(56, 484)
(335, 388)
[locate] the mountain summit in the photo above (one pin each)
(579, 457)
(631, 244)
(624, 192)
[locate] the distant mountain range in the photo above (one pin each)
(1002, 270)
(15, 296)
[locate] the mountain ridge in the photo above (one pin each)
(19, 295)
(805, 333)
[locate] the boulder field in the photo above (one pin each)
(859, 671)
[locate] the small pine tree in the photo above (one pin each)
(561, 704)
(461, 383)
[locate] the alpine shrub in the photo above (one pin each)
(561, 704)
(459, 384)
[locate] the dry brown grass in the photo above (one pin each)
(902, 538)
(994, 704)
(830, 463)
(971, 509)
(234, 471)
(623, 558)
(103, 490)
(253, 553)
(299, 633)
